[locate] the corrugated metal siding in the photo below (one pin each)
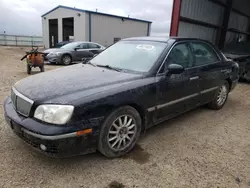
(202, 10)
(196, 31)
(223, 1)
(242, 5)
(238, 21)
(105, 28)
(235, 37)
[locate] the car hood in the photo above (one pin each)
(55, 50)
(68, 80)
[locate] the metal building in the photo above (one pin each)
(219, 21)
(65, 23)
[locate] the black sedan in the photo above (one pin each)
(107, 102)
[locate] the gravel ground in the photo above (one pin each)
(202, 148)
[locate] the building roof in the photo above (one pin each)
(100, 13)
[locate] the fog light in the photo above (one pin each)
(43, 147)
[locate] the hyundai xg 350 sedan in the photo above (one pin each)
(106, 103)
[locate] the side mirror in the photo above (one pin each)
(175, 69)
(76, 49)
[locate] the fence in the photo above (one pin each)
(20, 40)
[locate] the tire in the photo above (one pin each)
(246, 76)
(66, 59)
(220, 97)
(109, 131)
(28, 69)
(42, 68)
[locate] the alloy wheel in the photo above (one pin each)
(66, 60)
(222, 95)
(122, 133)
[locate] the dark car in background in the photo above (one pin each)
(106, 103)
(60, 44)
(71, 52)
(240, 53)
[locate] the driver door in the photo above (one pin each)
(177, 93)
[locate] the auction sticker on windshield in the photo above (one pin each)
(145, 47)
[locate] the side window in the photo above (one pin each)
(84, 46)
(181, 55)
(204, 54)
(91, 45)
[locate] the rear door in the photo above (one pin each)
(177, 93)
(210, 67)
(94, 48)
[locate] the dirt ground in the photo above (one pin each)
(202, 148)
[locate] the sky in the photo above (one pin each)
(23, 17)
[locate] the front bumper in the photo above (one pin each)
(53, 59)
(56, 141)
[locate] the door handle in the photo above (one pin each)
(194, 78)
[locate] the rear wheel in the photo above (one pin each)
(246, 76)
(220, 97)
(42, 68)
(119, 132)
(66, 59)
(28, 69)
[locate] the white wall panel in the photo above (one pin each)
(105, 28)
(79, 24)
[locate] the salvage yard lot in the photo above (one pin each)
(202, 148)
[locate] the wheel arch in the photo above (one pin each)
(137, 107)
(230, 82)
(68, 55)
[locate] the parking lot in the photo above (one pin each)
(202, 148)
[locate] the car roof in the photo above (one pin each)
(161, 39)
(79, 42)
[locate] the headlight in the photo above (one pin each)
(54, 53)
(55, 114)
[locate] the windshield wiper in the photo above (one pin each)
(109, 67)
(84, 61)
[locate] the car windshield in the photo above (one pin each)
(137, 56)
(71, 45)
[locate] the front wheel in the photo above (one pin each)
(119, 132)
(28, 69)
(66, 59)
(220, 97)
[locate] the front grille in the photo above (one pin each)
(21, 103)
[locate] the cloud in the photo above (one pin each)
(24, 16)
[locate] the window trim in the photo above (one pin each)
(170, 50)
(190, 42)
(84, 48)
(99, 47)
(216, 53)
